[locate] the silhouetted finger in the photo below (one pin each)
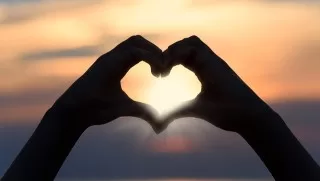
(189, 109)
(145, 112)
(140, 42)
(123, 61)
(141, 110)
(196, 109)
(198, 57)
(182, 52)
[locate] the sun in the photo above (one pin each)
(164, 93)
(167, 93)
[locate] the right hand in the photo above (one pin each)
(225, 100)
(97, 97)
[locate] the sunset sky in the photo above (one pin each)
(46, 45)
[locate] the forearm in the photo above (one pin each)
(280, 151)
(46, 150)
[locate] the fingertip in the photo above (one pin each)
(167, 63)
(166, 57)
(166, 72)
(156, 69)
(159, 127)
(156, 64)
(195, 37)
(155, 72)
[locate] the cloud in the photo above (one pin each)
(105, 44)
(60, 40)
(63, 53)
(307, 51)
(59, 43)
(27, 103)
(18, 11)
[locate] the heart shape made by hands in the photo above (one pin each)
(163, 94)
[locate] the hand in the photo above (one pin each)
(225, 100)
(97, 98)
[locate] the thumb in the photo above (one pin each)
(189, 109)
(195, 108)
(145, 112)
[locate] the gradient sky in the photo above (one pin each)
(45, 45)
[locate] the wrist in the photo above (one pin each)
(261, 124)
(67, 120)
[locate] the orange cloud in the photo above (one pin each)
(259, 40)
(23, 113)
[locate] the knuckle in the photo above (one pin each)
(130, 52)
(171, 47)
(185, 39)
(194, 37)
(135, 38)
(196, 41)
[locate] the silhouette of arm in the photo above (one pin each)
(279, 149)
(228, 103)
(95, 98)
(46, 150)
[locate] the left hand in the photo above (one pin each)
(225, 100)
(97, 98)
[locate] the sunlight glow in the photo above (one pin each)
(165, 93)
(168, 93)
